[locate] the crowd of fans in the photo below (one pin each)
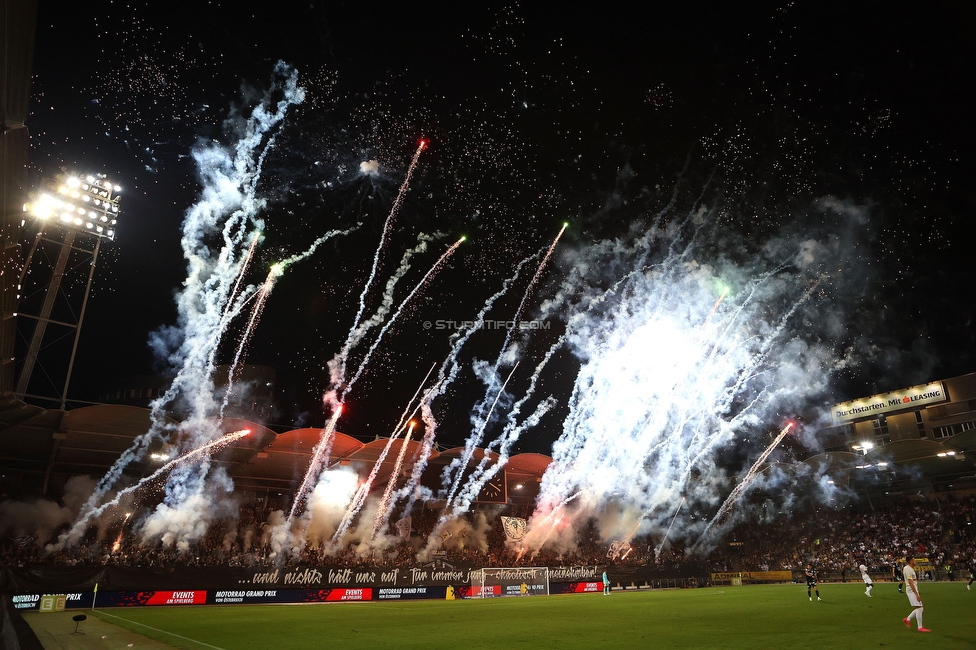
(836, 541)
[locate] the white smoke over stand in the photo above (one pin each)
(691, 354)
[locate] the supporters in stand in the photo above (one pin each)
(828, 539)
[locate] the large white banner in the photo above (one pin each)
(906, 398)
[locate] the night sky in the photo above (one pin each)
(535, 117)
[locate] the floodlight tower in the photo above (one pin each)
(73, 221)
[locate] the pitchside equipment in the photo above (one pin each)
(515, 581)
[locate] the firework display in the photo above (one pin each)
(655, 288)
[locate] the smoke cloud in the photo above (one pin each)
(691, 353)
(40, 518)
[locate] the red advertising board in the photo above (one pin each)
(585, 587)
(350, 594)
(177, 598)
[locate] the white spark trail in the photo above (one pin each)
(446, 375)
(660, 547)
(262, 293)
(461, 463)
(382, 512)
(743, 484)
(337, 365)
(384, 235)
(320, 458)
(482, 418)
(360, 499)
(228, 206)
(245, 265)
(480, 476)
(77, 529)
(389, 323)
(492, 384)
(528, 291)
(338, 399)
(407, 415)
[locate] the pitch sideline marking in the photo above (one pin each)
(156, 629)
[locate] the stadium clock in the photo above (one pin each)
(494, 489)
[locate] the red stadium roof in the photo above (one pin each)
(531, 464)
(302, 441)
(244, 449)
(367, 456)
(371, 450)
(90, 439)
(284, 462)
(477, 455)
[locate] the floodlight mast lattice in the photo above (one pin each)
(78, 205)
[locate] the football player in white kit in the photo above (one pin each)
(868, 585)
(911, 588)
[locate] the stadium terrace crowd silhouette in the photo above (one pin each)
(834, 541)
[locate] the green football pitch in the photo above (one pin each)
(770, 616)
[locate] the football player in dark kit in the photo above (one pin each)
(811, 575)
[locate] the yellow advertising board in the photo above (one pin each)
(52, 603)
(739, 577)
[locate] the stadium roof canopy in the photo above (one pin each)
(282, 461)
(937, 465)
(45, 447)
(365, 459)
(528, 464)
(50, 444)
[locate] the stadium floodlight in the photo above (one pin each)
(863, 447)
(82, 203)
(72, 204)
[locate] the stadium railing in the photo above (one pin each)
(15, 633)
